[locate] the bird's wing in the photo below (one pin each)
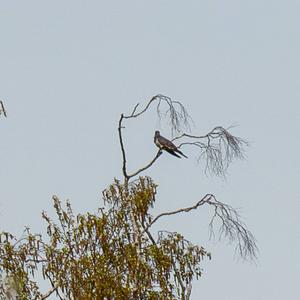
(166, 143)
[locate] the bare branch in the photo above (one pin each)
(158, 154)
(49, 293)
(135, 115)
(187, 209)
(218, 148)
(134, 109)
(231, 225)
(233, 228)
(122, 147)
(175, 112)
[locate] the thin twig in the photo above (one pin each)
(218, 147)
(158, 154)
(196, 136)
(133, 115)
(187, 209)
(49, 293)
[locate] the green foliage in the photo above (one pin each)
(107, 255)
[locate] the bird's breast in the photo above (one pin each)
(158, 144)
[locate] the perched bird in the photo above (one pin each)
(164, 144)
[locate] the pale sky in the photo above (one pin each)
(69, 68)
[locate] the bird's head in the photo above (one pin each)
(157, 133)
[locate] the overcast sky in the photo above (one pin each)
(69, 68)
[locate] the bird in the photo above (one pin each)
(164, 144)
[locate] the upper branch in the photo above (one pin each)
(134, 114)
(187, 209)
(218, 147)
(175, 112)
(122, 147)
(158, 154)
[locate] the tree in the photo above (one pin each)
(114, 254)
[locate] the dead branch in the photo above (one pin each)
(49, 293)
(158, 154)
(122, 147)
(231, 225)
(175, 113)
(218, 148)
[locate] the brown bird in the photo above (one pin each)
(164, 144)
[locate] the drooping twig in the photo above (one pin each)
(175, 112)
(231, 225)
(218, 148)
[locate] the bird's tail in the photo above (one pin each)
(181, 153)
(172, 152)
